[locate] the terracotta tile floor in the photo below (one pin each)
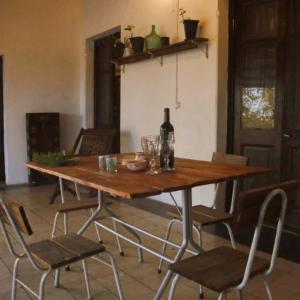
(139, 280)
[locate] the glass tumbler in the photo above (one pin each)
(111, 164)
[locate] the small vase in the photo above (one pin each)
(118, 50)
(190, 29)
(137, 44)
(165, 41)
(153, 40)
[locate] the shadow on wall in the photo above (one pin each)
(70, 125)
(126, 141)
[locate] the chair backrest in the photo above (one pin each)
(248, 203)
(231, 159)
(94, 141)
(13, 214)
(257, 205)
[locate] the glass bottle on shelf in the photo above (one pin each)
(153, 40)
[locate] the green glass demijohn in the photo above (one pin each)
(153, 40)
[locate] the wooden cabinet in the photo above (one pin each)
(42, 131)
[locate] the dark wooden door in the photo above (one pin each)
(107, 88)
(258, 85)
(266, 89)
(291, 107)
(2, 165)
(291, 115)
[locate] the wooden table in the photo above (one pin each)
(126, 184)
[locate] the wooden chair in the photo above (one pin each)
(48, 255)
(90, 141)
(224, 269)
(206, 216)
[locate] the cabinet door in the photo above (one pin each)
(42, 137)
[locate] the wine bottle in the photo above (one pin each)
(167, 148)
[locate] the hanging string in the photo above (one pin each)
(177, 102)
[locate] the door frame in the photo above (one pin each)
(231, 79)
(230, 99)
(2, 148)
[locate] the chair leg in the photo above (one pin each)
(170, 224)
(198, 230)
(116, 275)
(222, 296)
(240, 294)
(201, 292)
(231, 235)
(131, 231)
(117, 238)
(55, 194)
(86, 278)
(97, 230)
(14, 281)
(42, 285)
(57, 278)
(67, 268)
(173, 286)
(65, 223)
(54, 225)
(268, 289)
(77, 191)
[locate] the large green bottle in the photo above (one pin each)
(153, 40)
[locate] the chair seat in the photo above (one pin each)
(205, 215)
(64, 250)
(218, 269)
(77, 205)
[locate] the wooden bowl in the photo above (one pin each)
(137, 165)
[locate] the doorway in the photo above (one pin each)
(2, 163)
(264, 89)
(107, 85)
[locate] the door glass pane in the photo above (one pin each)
(258, 87)
(258, 105)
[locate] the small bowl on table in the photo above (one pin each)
(137, 165)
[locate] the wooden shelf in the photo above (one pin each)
(166, 50)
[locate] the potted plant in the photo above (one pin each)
(137, 42)
(190, 26)
(119, 49)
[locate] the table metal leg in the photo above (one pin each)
(93, 216)
(187, 238)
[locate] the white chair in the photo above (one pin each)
(48, 255)
(224, 269)
(206, 216)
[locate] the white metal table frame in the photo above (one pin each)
(182, 248)
(187, 239)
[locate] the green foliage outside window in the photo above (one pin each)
(258, 106)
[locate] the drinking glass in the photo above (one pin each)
(167, 149)
(102, 162)
(150, 145)
(111, 164)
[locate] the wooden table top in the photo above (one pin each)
(127, 184)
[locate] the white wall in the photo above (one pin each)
(147, 87)
(48, 67)
(40, 42)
